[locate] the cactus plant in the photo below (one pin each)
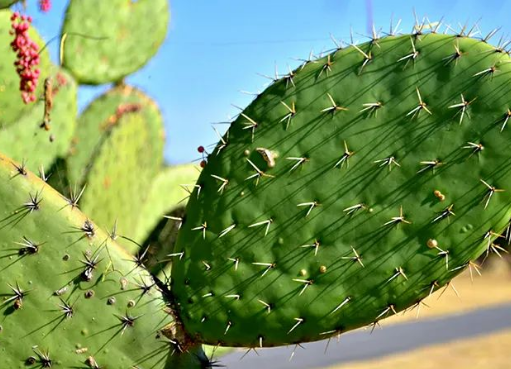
(351, 189)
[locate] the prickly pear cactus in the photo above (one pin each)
(117, 151)
(12, 107)
(107, 47)
(28, 140)
(71, 297)
(349, 190)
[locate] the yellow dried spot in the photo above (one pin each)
(322, 269)
(268, 156)
(246, 152)
(432, 243)
(437, 193)
(441, 197)
(303, 272)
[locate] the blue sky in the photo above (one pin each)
(216, 48)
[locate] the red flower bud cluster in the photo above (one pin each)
(27, 55)
(44, 5)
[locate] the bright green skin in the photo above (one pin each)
(94, 325)
(12, 107)
(26, 140)
(114, 41)
(165, 195)
(7, 3)
(383, 248)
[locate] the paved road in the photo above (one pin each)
(361, 345)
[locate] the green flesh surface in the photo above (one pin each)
(226, 302)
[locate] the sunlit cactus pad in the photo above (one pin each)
(107, 40)
(349, 190)
(70, 296)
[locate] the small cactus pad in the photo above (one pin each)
(11, 103)
(118, 151)
(28, 140)
(351, 189)
(71, 297)
(169, 191)
(120, 37)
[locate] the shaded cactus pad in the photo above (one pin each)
(349, 190)
(168, 192)
(27, 139)
(117, 152)
(70, 297)
(119, 39)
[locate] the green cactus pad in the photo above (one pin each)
(70, 295)
(118, 40)
(7, 3)
(321, 213)
(117, 152)
(27, 140)
(167, 193)
(12, 107)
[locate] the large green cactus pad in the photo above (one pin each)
(321, 213)
(11, 104)
(70, 295)
(118, 38)
(167, 193)
(27, 140)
